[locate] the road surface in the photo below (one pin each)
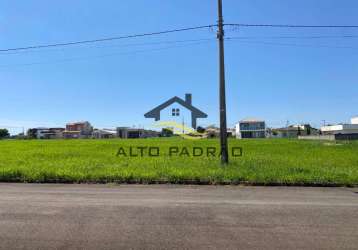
(176, 217)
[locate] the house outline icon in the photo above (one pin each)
(187, 103)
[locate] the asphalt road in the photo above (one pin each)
(176, 217)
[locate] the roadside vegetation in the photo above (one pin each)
(4, 133)
(263, 162)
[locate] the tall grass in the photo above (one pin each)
(264, 162)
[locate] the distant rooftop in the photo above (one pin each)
(75, 123)
(251, 119)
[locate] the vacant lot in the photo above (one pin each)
(263, 162)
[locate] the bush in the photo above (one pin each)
(4, 133)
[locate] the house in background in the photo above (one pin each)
(36, 133)
(77, 130)
(56, 133)
(104, 133)
(354, 120)
(251, 128)
(293, 131)
(214, 132)
(231, 132)
(177, 110)
(45, 133)
(132, 133)
(342, 131)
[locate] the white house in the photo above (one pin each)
(354, 120)
(251, 128)
(45, 133)
(41, 133)
(340, 129)
(104, 133)
(350, 130)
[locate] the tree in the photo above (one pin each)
(167, 132)
(200, 130)
(4, 133)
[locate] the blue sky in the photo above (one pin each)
(115, 83)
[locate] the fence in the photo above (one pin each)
(341, 137)
(318, 137)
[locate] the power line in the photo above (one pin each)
(190, 40)
(112, 46)
(290, 25)
(104, 55)
(292, 37)
(107, 39)
(293, 44)
(171, 31)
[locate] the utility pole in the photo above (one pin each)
(183, 126)
(287, 124)
(324, 123)
(223, 126)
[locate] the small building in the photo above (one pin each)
(131, 133)
(72, 134)
(251, 128)
(344, 129)
(337, 132)
(231, 132)
(354, 120)
(78, 130)
(56, 133)
(36, 133)
(214, 132)
(104, 133)
(293, 131)
(45, 133)
(340, 129)
(84, 127)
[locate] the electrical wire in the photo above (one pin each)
(104, 55)
(111, 46)
(192, 42)
(290, 25)
(172, 31)
(292, 44)
(294, 37)
(107, 39)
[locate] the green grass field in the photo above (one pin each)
(264, 162)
